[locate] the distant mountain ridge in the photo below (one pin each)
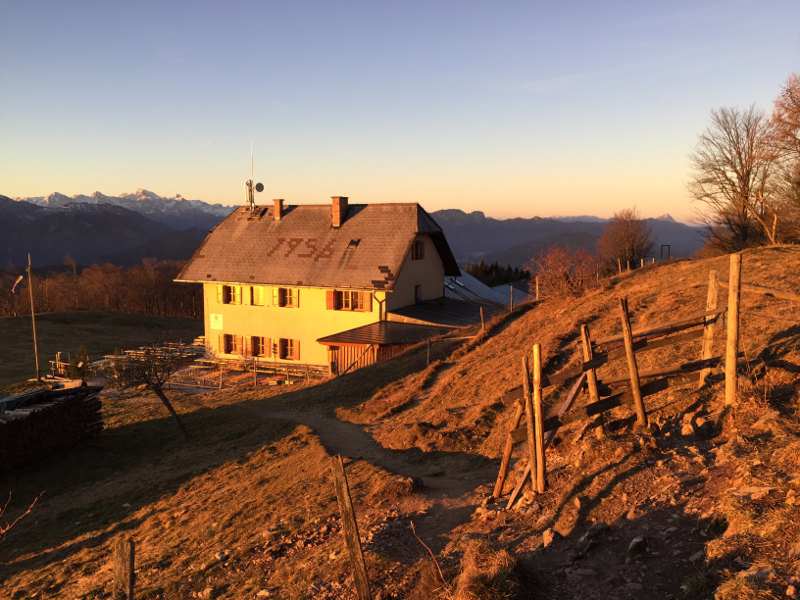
(474, 236)
(176, 211)
(122, 230)
(126, 228)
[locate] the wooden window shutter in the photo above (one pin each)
(219, 293)
(247, 348)
(297, 298)
(267, 350)
(221, 343)
(330, 300)
(296, 350)
(247, 297)
(367, 297)
(275, 297)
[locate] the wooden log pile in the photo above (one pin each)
(45, 422)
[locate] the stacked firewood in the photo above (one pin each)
(44, 422)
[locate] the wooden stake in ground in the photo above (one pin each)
(633, 369)
(526, 386)
(483, 323)
(591, 376)
(732, 343)
(537, 287)
(711, 321)
(124, 568)
(350, 528)
(507, 451)
(538, 419)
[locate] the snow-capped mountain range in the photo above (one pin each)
(176, 211)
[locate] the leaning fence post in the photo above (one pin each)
(124, 568)
(732, 343)
(507, 451)
(538, 422)
(711, 320)
(483, 323)
(633, 369)
(350, 528)
(529, 425)
(591, 375)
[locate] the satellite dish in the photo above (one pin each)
(259, 187)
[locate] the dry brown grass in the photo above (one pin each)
(247, 504)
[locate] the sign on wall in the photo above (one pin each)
(215, 321)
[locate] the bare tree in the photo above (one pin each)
(732, 167)
(627, 237)
(8, 525)
(152, 366)
(563, 271)
(786, 140)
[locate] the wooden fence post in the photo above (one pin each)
(711, 321)
(350, 528)
(633, 369)
(124, 568)
(526, 387)
(511, 294)
(732, 343)
(428, 351)
(483, 323)
(538, 421)
(619, 265)
(591, 376)
(537, 287)
(507, 451)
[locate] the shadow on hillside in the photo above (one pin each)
(672, 563)
(138, 463)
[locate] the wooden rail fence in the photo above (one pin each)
(630, 389)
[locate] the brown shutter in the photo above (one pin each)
(330, 300)
(267, 347)
(367, 296)
(221, 343)
(275, 297)
(296, 347)
(219, 294)
(247, 348)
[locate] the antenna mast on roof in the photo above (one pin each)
(249, 186)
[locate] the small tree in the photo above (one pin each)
(626, 237)
(8, 525)
(563, 270)
(152, 366)
(786, 142)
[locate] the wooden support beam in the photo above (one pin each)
(708, 330)
(732, 342)
(591, 374)
(537, 413)
(526, 385)
(691, 320)
(507, 451)
(350, 528)
(633, 369)
(124, 568)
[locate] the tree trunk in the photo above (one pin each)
(160, 393)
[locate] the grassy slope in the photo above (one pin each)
(99, 332)
(247, 505)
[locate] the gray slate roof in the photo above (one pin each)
(467, 287)
(303, 249)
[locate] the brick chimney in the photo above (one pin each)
(278, 211)
(338, 210)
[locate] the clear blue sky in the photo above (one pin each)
(514, 108)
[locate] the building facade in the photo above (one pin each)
(277, 280)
